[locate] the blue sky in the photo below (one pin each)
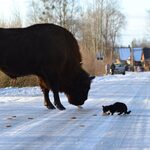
(134, 10)
(137, 19)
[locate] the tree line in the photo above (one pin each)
(96, 26)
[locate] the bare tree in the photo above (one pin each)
(117, 22)
(41, 11)
(104, 23)
(61, 12)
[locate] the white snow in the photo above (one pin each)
(25, 124)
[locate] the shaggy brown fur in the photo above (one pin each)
(50, 52)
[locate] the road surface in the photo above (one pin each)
(25, 124)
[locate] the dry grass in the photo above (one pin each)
(92, 65)
(6, 81)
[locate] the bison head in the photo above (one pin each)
(78, 90)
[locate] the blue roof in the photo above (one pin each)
(137, 54)
(124, 53)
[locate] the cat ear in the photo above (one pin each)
(103, 106)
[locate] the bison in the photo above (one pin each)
(52, 54)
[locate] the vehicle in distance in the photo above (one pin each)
(120, 69)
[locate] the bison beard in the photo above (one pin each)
(49, 52)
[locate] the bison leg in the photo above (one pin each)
(45, 91)
(53, 85)
(47, 101)
(57, 101)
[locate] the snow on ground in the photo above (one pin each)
(25, 124)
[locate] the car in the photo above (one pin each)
(120, 69)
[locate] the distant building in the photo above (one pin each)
(146, 58)
(136, 57)
(124, 53)
(137, 54)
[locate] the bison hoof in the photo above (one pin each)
(61, 107)
(51, 107)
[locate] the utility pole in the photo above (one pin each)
(132, 55)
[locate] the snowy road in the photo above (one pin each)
(25, 124)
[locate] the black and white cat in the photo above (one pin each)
(116, 107)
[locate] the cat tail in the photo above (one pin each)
(128, 112)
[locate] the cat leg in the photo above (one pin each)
(120, 113)
(112, 113)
